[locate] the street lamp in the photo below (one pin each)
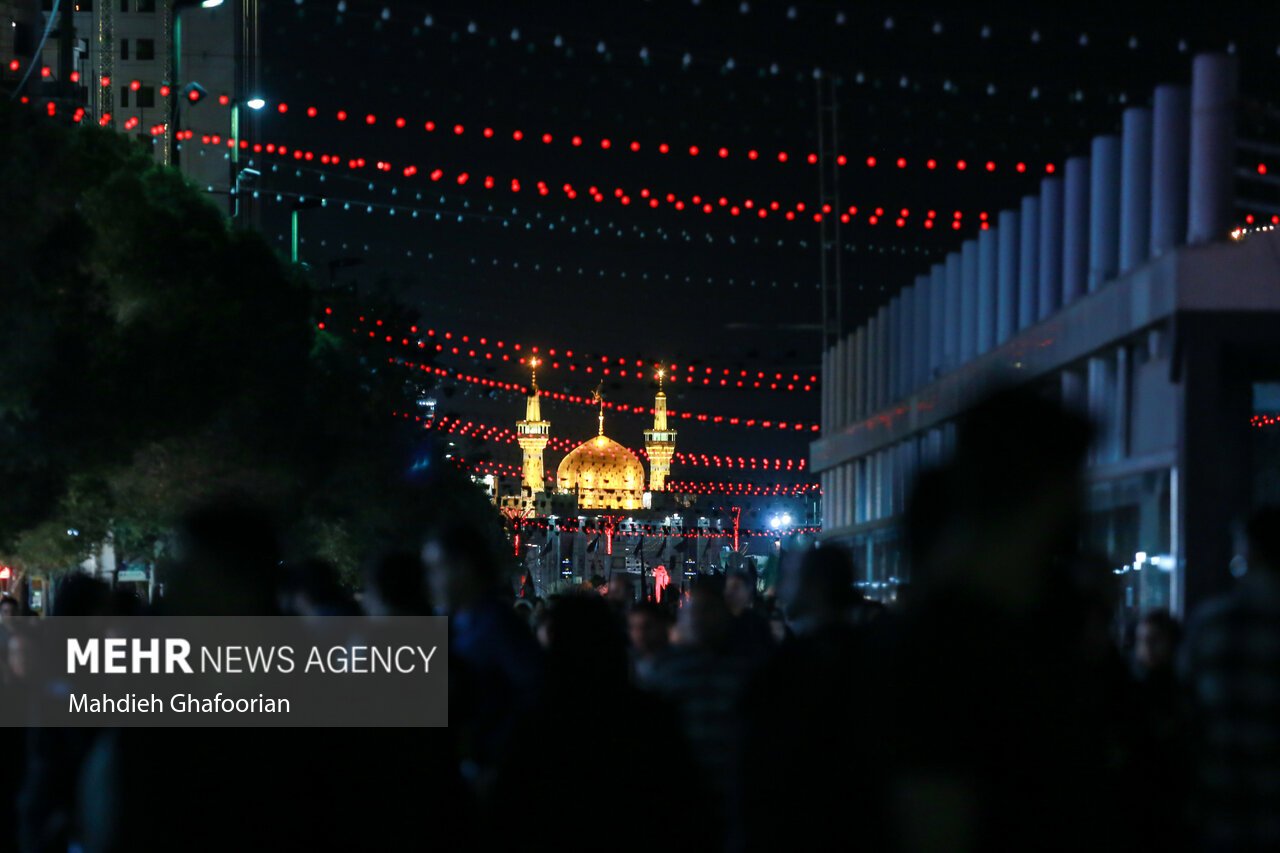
(175, 53)
(254, 103)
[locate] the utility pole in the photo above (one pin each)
(829, 200)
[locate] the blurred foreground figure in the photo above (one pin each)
(1231, 667)
(992, 726)
(703, 679)
(804, 776)
(212, 789)
(495, 665)
(593, 743)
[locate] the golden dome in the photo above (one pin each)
(603, 473)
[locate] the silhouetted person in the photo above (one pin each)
(498, 669)
(1231, 667)
(54, 755)
(211, 789)
(226, 563)
(802, 773)
(703, 678)
(647, 628)
(313, 589)
(749, 633)
(396, 585)
(987, 703)
(591, 739)
(1161, 756)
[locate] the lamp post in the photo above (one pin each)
(300, 204)
(237, 174)
(175, 53)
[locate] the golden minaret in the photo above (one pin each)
(660, 442)
(532, 435)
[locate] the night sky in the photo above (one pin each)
(680, 285)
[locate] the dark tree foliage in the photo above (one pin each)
(152, 358)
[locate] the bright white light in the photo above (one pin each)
(255, 103)
(786, 518)
(1140, 557)
(209, 4)
(775, 522)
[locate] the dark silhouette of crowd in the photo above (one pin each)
(989, 707)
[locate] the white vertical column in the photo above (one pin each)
(891, 351)
(1210, 196)
(1075, 236)
(1050, 246)
(986, 326)
(1170, 142)
(850, 470)
(828, 394)
(937, 317)
(860, 399)
(920, 336)
(859, 491)
(954, 320)
(968, 300)
(1029, 262)
(906, 323)
(1104, 211)
(883, 357)
(1101, 390)
(1135, 188)
(825, 480)
(851, 377)
(1007, 275)
(841, 390)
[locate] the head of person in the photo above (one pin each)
(586, 647)
(462, 569)
(313, 588)
(226, 562)
(1013, 500)
(739, 591)
(1156, 641)
(17, 653)
(1262, 542)
(818, 591)
(647, 628)
(78, 594)
(620, 591)
(778, 629)
(704, 621)
(395, 585)
(9, 610)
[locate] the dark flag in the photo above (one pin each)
(684, 543)
(595, 543)
(639, 545)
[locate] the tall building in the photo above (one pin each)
(1121, 291)
(532, 434)
(659, 442)
(127, 63)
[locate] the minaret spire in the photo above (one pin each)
(599, 398)
(532, 434)
(660, 442)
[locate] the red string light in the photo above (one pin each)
(490, 348)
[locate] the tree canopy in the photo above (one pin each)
(154, 357)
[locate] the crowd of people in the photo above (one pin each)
(993, 705)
